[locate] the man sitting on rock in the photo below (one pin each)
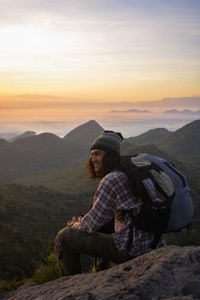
(112, 200)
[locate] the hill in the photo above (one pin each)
(45, 152)
(8, 135)
(73, 177)
(184, 140)
(23, 135)
(59, 164)
(31, 155)
(84, 133)
(153, 136)
(3, 142)
(79, 139)
(185, 144)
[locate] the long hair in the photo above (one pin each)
(110, 162)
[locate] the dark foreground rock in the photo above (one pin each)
(167, 273)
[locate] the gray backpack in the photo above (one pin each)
(164, 191)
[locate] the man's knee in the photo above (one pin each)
(67, 239)
(59, 240)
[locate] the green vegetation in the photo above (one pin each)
(71, 180)
(30, 217)
(47, 271)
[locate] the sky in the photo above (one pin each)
(70, 60)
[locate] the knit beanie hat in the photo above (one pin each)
(108, 141)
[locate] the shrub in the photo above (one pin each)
(47, 272)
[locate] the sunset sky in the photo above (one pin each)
(58, 55)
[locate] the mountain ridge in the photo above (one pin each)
(186, 139)
(151, 136)
(23, 135)
(185, 111)
(47, 152)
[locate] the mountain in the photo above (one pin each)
(45, 152)
(31, 155)
(82, 136)
(44, 142)
(8, 135)
(72, 178)
(48, 153)
(184, 140)
(184, 143)
(23, 135)
(153, 136)
(182, 112)
(3, 142)
(131, 111)
(146, 148)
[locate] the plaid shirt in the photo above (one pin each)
(113, 198)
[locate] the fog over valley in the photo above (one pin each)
(131, 118)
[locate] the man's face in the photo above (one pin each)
(97, 159)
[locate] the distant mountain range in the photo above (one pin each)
(131, 111)
(185, 111)
(32, 155)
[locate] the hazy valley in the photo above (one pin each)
(132, 118)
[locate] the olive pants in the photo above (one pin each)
(70, 243)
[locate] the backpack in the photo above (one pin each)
(163, 190)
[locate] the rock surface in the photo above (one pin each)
(167, 273)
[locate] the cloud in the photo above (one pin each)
(131, 111)
(98, 41)
(44, 102)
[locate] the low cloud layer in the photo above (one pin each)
(36, 101)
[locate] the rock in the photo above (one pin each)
(170, 273)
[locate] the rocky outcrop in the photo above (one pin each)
(167, 273)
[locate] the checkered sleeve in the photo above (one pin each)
(103, 208)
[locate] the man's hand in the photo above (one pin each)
(73, 220)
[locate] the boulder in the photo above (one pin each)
(167, 273)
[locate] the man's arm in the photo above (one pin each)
(103, 209)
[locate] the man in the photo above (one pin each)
(113, 199)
